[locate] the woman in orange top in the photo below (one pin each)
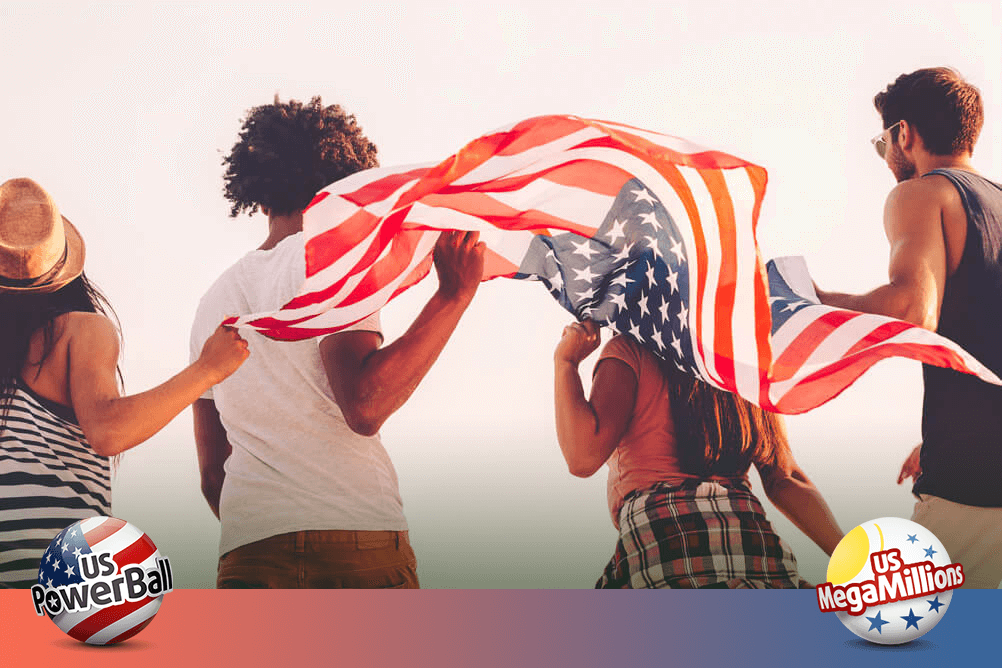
(679, 451)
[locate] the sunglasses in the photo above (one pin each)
(880, 141)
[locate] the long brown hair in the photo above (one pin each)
(23, 314)
(720, 433)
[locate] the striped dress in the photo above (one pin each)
(49, 478)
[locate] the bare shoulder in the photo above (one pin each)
(91, 329)
(932, 190)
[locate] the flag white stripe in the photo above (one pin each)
(576, 205)
(743, 321)
(501, 166)
(708, 218)
(126, 623)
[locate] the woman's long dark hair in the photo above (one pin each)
(720, 433)
(23, 314)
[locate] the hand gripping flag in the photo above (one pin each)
(643, 232)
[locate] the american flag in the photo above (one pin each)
(60, 566)
(644, 232)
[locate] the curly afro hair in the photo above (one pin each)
(288, 151)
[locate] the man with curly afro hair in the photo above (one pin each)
(289, 451)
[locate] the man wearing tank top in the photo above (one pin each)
(944, 224)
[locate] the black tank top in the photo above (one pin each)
(962, 416)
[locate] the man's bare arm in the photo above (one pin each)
(213, 449)
(370, 383)
(917, 270)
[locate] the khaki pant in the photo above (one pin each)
(972, 536)
(322, 560)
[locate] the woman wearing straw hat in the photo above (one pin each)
(62, 417)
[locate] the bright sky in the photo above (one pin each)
(123, 113)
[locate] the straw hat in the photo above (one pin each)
(40, 251)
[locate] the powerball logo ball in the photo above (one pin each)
(101, 581)
(890, 581)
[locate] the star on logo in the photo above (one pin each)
(912, 538)
(912, 620)
(619, 300)
(793, 306)
(556, 281)
(656, 337)
(650, 274)
(876, 623)
(69, 569)
(66, 548)
(935, 604)
(76, 553)
(929, 552)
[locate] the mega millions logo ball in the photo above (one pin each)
(890, 581)
(101, 581)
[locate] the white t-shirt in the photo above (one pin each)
(295, 465)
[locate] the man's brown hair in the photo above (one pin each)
(944, 109)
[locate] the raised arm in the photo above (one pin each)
(799, 500)
(588, 430)
(918, 263)
(113, 423)
(213, 449)
(371, 382)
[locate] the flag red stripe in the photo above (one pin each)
(325, 248)
(498, 214)
(319, 197)
(387, 268)
(140, 550)
(530, 134)
(103, 530)
(790, 360)
(881, 333)
(377, 191)
(389, 228)
(827, 383)
(592, 175)
(105, 617)
(639, 146)
(723, 303)
(131, 632)
(759, 178)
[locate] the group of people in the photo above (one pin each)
(287, 433)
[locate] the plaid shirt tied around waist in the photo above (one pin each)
(698, 534)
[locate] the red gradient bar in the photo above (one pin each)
(426, 628)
